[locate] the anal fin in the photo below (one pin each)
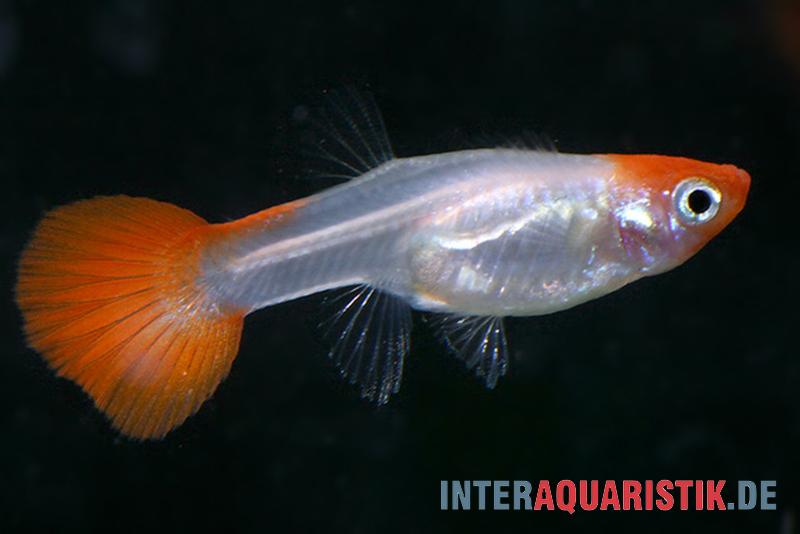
(479, 341)
(371, 339)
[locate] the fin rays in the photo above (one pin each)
(108, 293)
(371, 331)
(479, 341)
(350, 134)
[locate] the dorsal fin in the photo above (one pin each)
(371, 339)
(524, 140)
(347, 134)
(477, 340)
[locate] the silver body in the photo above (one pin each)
(482, 232)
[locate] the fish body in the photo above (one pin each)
(504, 232)
(142, 303)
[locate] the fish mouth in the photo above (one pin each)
(745, 179)
(742, 188)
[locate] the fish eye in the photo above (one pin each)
(696, 200)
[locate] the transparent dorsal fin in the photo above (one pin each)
(479, 341)
(370, 331)
(348, 134)
(527, 141)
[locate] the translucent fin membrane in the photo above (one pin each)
(348, 133)
(371, 332)
(479, 341)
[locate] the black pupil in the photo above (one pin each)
(699, 201)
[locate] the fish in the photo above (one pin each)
(142, 303)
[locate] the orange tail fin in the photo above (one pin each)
(107, 288)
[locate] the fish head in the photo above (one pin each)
(668, 208)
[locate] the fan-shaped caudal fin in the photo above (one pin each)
(107, 288)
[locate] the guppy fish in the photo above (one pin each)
(142, 303)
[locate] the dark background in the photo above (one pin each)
(689, 375)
